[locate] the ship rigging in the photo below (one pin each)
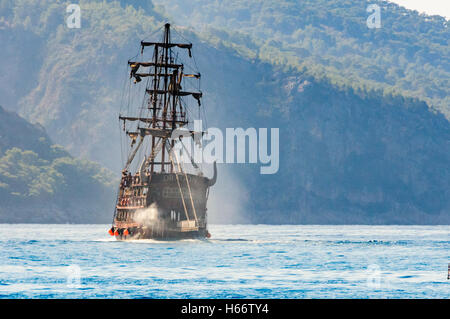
(158, 198)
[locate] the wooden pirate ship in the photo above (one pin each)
(157, 197)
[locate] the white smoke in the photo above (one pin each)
(228, 199)
(226, 204)
(147, 216)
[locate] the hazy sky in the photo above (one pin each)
(431, 7)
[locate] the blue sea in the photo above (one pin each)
(238, 261)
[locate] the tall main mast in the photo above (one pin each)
(179, 197)
(164, 102)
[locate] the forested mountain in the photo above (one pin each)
(362, 140)
(41, 183)
(408, 54)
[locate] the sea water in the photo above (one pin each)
(238, 261)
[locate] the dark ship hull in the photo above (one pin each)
(163, 206)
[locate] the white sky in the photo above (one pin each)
(431, 7)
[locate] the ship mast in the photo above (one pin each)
(164, 103)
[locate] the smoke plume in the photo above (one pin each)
(146, 216)
(227, 199)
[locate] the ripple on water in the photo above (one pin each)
(262, 261)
